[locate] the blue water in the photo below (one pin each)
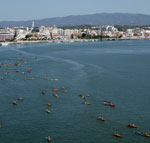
(111, 70)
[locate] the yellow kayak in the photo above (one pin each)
(32, 78)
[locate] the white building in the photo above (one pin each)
(21, 34)
(44, 31)
(130, 32)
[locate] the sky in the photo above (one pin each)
(38, 9)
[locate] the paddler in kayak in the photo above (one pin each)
(43, 92)
(14, 103)
(132, 126)
(117, 135)
(20, 98)
(101, 118)
(49, 139)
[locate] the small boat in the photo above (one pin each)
(55, 89)
(20, 98)
(117, 135)
(142, 134)
(17, 70)
(2, 78)
(14, 103)
(145, 134)
(109, 103)
(7, 65)
(49, 139)
(22, 72)
(101, 119)
(82, 96)
(48, 111)
(63, 88)
(43, 92)
(106, 103)
(132, 126)
(87, 103)
(48, 104)
(32, 78)
(56, 95)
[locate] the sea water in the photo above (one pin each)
(118, 71)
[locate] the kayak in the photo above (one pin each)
(56, 95)
(20, 98)
(49, 139)
(14, 103)
(43, 92)
(142, 134)
(2, 78)
(132, 126)
(55, 89)
(48, 104)
(48, 111)
(101, 119)
(109, 104)
(117, 135)
(87, 103)
(32, 78)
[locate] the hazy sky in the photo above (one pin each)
(38, 9)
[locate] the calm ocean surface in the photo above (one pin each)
(118, 71)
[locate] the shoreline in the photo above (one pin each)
(76, 40)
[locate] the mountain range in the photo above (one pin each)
(90, 19)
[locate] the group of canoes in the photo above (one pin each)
(15, 102)
(109, 103)
(145, 134)
(83, 97)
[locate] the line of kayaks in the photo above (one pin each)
(15, 102)
(130, 126)
(83, 97)
(138, 133)
(145, 134)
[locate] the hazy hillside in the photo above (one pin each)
(93, 19)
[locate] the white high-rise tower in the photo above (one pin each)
(32, 24)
